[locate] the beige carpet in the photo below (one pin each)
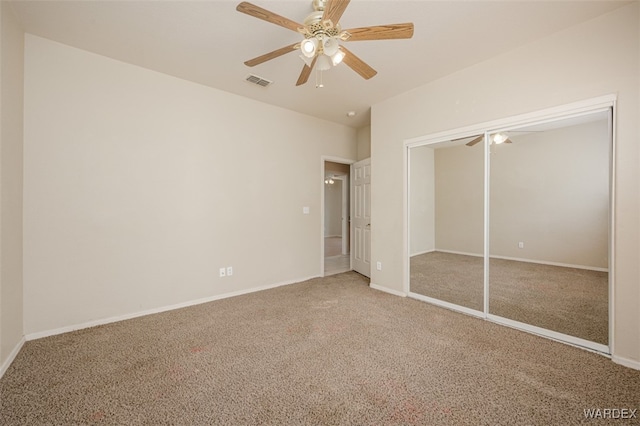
(567, 300)
(323, 352)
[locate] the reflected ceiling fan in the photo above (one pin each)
(322, 35)
(496, 138)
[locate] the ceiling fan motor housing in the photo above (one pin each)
(315, 26)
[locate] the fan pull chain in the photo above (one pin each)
(319, 84)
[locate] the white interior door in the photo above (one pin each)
(361, 222)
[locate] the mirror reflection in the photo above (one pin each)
(446, 191)
(549, 216)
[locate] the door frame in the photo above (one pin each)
(549, 114)
(339, 160)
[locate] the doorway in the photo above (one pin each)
(336, 218)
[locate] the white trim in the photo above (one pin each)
(518, 259)
(553, 113)
(447, 305)
(554, 335)
(544, 262)
(423, 252)
(626, 362)
(67, 329)
(387, 290)
(486, 204)
(462, 253)
(406, 215)
(612, 223)
(12, 356)
(575, 109)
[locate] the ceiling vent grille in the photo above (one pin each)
(258, 80)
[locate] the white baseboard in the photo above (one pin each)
(387, 290)
(102, 321)
(418, 253)
(519, 259)
(626, 362)
(5, 365)
(543, 262)
(460, 252)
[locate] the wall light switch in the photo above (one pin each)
(305, 210)
(379, 266)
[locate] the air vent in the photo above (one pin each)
(258, 80)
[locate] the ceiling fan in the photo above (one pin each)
(496, 138)
(322, 35)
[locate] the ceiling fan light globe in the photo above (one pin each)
(308, 47)
(330, 46)
(323, 63)
(337, 57)
(499, 138)
(306, 60)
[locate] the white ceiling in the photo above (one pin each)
(208, 41)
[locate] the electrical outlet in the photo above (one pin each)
(229, 270)
(379, 266)
(520, 244)
(223, 272)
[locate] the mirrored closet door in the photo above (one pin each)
(513, 224)
(549, 226)
(447, 223)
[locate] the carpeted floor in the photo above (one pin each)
(326, 351)
(450, 277)
(567, 300)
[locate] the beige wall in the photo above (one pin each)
(333, 197)
(422, 203)
(11, 140)
(459, 199)
(333, 209)
(592, 59)
(364, 143)
(550, 190)
(140, 186)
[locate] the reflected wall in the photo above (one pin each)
(548, 197)
(446, 221)
(549, 221)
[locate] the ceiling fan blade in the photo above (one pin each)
(265, 15)
(381, 32)
(306, 72)
(334, 9)
(271, 55)
(357, 64)
(475, 141)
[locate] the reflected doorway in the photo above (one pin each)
(336, 218)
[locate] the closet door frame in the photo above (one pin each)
(575, 109)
